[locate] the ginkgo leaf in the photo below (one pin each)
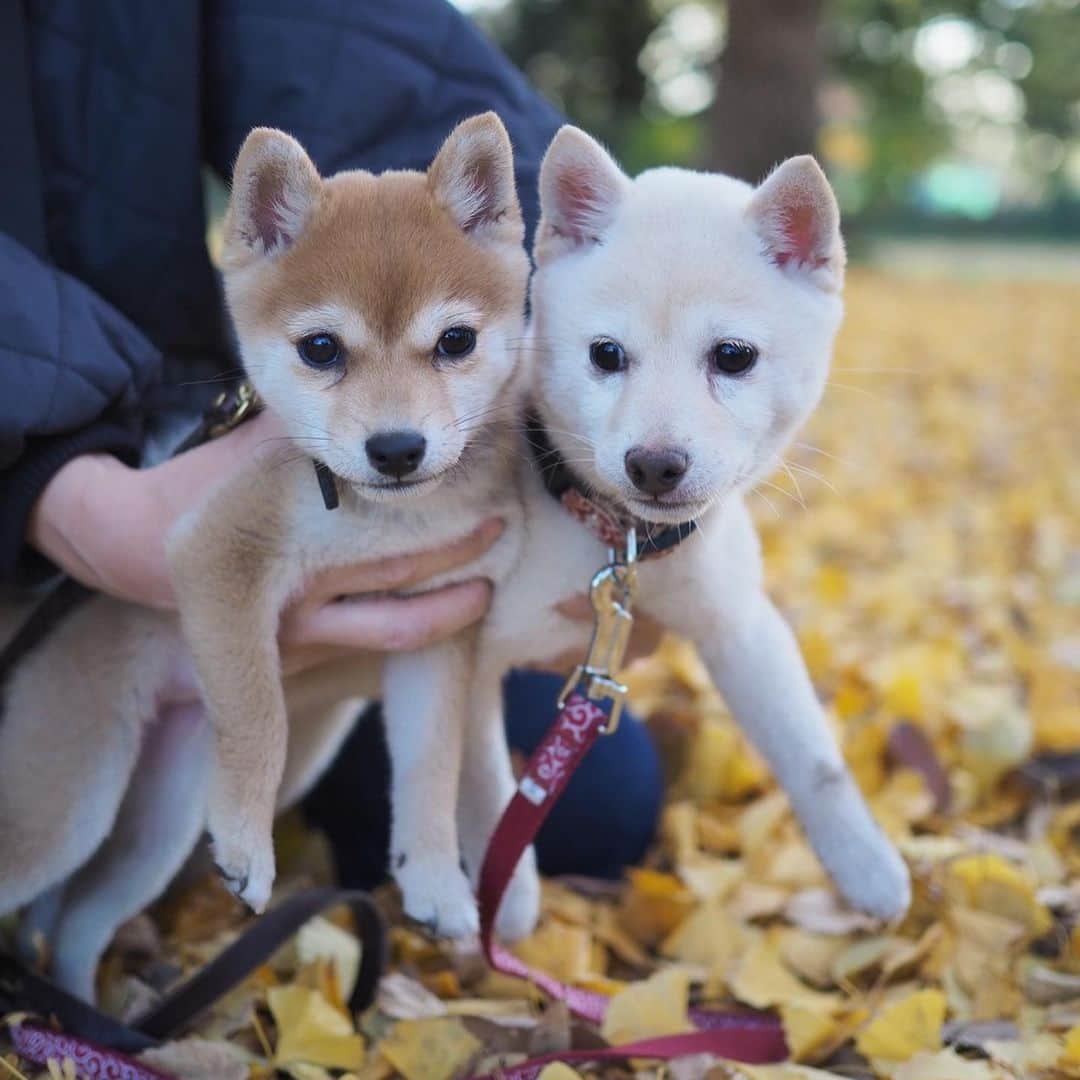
(904, 1028)
(656, 1006)
(1071, 1052)
(760, 979)
(311, 1031)
(558, 1071)
(434, 1049)
(990, 883)
(806, 1030)
(320, 939)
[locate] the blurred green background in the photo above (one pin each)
(947, 119)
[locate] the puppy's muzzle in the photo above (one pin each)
(656, 472)
(396, 453)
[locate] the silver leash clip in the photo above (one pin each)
(612, 594)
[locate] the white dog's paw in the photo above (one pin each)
(869, 872)
(520, 907)
(246, 865)
(435, 892)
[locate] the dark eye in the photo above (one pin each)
(607, 355)
(457, 342)
(319, 350)
(733, 357)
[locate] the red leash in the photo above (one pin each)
(754, 1038)
(40, 1044)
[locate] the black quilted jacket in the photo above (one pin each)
(131, 99)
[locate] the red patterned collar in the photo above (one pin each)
(606, 522)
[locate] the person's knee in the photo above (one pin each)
(608, 814)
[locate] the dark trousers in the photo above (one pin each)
(603, 823)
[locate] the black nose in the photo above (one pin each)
(396, 453)
(656, 471)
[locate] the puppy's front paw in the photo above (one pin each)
(869, 872)
(520, 908)
(246, 867)
(435, 892)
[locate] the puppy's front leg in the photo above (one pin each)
(757, 666)
(229, 611)
(424, 695)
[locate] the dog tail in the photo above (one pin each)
(70, 729)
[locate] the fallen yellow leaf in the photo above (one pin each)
(311, 1031)
(655, 1006)
(558, 1071)
(710, 937)
(1071, 1055)
(562, 950)
(320, 939)
(806, 1030)
(990, 883)
(904, 1028)
(433, 1049)
(761, 980)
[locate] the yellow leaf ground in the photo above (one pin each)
(928, 556)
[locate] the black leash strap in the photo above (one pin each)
(24, 991)
(256, 945)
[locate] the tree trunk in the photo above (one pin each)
(766, 103)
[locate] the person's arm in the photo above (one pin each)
(369, 84)
(105, 524)
(72, 373)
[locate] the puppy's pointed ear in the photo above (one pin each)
(794, 211)
(581, 189)
(472, 177)
(274, 186)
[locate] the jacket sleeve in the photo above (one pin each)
(370, 84)
(72, 372)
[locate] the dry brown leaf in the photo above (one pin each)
(199, 1059)
(819, 911)
(945, 1065)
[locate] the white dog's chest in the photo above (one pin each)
(693, 589)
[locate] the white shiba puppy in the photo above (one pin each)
(681, 332)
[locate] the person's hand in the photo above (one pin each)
(334, 617)
(105, 524)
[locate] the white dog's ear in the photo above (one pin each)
(274, 186)
(794, 211)
(581, 188)
(472, 177)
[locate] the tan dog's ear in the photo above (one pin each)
(472, 177)
(581, 189)
(274, 186)
(794, 211)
